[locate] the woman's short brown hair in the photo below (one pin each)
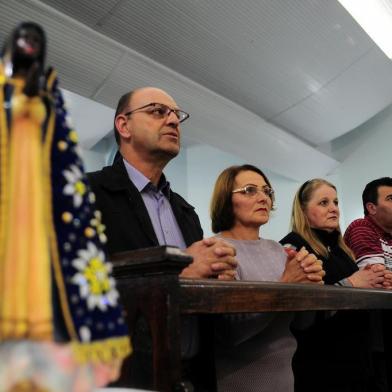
(221, 208)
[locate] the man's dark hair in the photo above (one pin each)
(370, 193)
(121, 106)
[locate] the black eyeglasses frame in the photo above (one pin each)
(180, 114)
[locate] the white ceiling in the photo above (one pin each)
(268, 80)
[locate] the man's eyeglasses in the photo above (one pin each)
(253, 190)
(159, 110)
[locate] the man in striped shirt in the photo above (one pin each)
(370, 238)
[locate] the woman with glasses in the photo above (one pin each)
(341, 353)
(255, 350)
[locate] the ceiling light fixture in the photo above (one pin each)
(375, 17)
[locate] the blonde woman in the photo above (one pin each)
(315, 225)
(332, 354)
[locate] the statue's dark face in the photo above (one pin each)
(23, 54)
(29, 43)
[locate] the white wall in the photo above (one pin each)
(177, 172)
(204, 165)
(366, 154)
(93, 160)
(279, 224)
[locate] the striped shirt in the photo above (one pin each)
(370, 244)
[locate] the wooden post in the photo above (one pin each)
(148, 283)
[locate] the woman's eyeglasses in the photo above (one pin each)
(253, 190)
(159, 110)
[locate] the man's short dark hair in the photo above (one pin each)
(123, 102)
(370, 193)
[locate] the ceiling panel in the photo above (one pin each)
(264, 55)
(343, 104)
(221, 123)
(82, 58)
(88, 12)
(268, 79)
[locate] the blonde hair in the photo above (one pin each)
(299, 220)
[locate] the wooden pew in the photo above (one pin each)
(151, 290)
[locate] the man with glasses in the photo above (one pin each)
(138, 207)
(140, 210)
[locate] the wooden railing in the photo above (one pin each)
(151, 291)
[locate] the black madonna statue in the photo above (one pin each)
(61, 327)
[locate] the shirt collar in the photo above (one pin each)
(142, 183)
(379, 230)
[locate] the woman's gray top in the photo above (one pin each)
(254, 351)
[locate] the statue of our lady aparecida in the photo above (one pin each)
(61, 327)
